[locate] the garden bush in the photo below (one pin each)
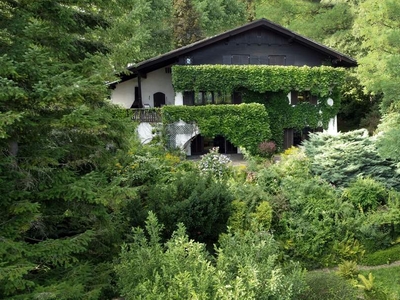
(245, 267)
(382, 257)
(348, 269)
(328, 286)
(215, 164)
(341, 158)
(250, 206)
(267, 148)
(366, 193)
(317, 227)
(200, 202)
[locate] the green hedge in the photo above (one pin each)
(382, 257)
(244, 125)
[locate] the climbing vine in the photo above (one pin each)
(244, 125)
(269, 85)
(282, 115)
(319, 81)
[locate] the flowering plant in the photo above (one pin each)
(214, 163)
(267, 148)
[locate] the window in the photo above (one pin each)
(188, 98)
(222, 98)
(277, 60)
(236, 59)
(204, 98)
(302, 97)
(240, 59)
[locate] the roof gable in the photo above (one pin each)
(172, 56)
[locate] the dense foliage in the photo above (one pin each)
(186, 27)
(58, 135)
(244, 125)
(269, 85)
(321, 81)
(246, 267)
(340, 159)
(74, 181)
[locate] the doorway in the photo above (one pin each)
(159, 99)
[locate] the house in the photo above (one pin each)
(262, 44)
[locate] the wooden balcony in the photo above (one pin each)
(149, 115)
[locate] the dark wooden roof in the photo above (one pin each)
(172, 56)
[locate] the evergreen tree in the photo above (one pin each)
(186, 25)
(140, 29)
(220, 15)
(57, 134)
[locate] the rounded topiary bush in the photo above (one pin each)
(328, 286)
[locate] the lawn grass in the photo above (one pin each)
(388, 279)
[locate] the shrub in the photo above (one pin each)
(249, 262)
(348, 269)
(318, 226)
(328, 285)
(341, 158)
(366, 193)
(381, 257)
(250, 208)
(147, 270)
(246, 267)
(263, 215)
(239, 174)
(267, 148)
(371, 290)
(201, 203)
(215, 163)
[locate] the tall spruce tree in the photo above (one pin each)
(57, 134)
(220, 15)
(186, 23)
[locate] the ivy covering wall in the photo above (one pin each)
(319, 81)
(245, 125)
(270, 85)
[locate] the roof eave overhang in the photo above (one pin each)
(172, 57)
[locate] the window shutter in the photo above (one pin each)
(313, 99)
(240, 59)
(294, 98)
(277, 60)
(254, 60)
(263, 60)
(226, 59)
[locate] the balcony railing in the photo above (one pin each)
(150, 115)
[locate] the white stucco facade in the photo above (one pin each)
(332, 126)
(157, 81)
(124, 93)
(145, 132)
(178, 98)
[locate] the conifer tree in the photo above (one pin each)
(57, 135)
(186, 20)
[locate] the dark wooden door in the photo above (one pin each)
(225, 146)
(288, 138)
(237, 97)
(159, 99)
(230, 148)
